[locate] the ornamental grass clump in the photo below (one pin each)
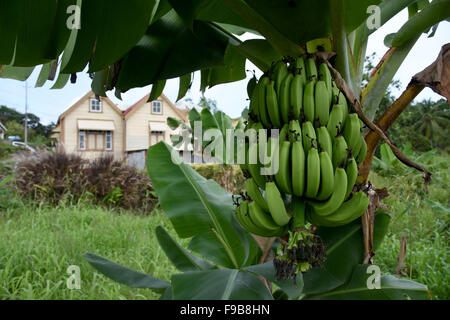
(59, 177)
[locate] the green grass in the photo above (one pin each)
(39, 244)
(423, 216)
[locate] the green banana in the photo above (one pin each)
(280, 72)
(276, 205)
(308, 101)
(254, 106)
(326, 75)
(342, 100)
(262, 105)
(335, 94)
(311, 69)
(298, 168)
(363, 152)
(283, 177)
(255, 168)
(340, 152)
(295, 130)
(244, 166)
(347, 212)
(297, 96)
(322, 103)
(337, 197)
(326, 177)
(336, 120)
(358, 145)
(257, 127)
(270, 156)
(352, 131)
(260, 218)
(312, 173)
(239, 217)
(301, 68)
(272, 105)
(285, 97)
(352, 209)
(250, 226)
(284, 133)
(309, 135)
(324, 140)
(299, 210)
(352, 175)
(253, 191)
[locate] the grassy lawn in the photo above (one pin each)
(38, 244)
(424, 219)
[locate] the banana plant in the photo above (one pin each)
(223, 261)
(218, 121)
(134, 43)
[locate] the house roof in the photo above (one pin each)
(181, 113)
(85, 97)
(2, 127)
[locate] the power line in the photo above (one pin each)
(11, 103)
(32, 110)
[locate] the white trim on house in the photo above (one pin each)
(100, 125)
(159, 126)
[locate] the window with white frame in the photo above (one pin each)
(91, 140)
(109, 141)
(96, 105)
(82, 140)
(157, 107)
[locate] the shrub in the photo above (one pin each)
(6, 150)
(117, 184)
(52, 177)
(230, 178)
(65, 177)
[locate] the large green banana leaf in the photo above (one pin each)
(170, 49)
(292, 288)
(345, 249)
(222, 284)
(155, 42)
(182, 259)
(32, 32)
(201, 209)
(109, 29)
(125, 275)
(391, 288)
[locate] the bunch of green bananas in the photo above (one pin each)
(320, 146)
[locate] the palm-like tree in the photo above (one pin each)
(432, 120)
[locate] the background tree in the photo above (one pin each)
(14, 129)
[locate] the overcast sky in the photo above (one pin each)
(231, 98)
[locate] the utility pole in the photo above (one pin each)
(26, 114)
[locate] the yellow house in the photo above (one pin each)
(145, 124)
(92, 128)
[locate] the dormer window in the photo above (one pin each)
(95, 105)
(157, 107)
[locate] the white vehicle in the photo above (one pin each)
(23, 145)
